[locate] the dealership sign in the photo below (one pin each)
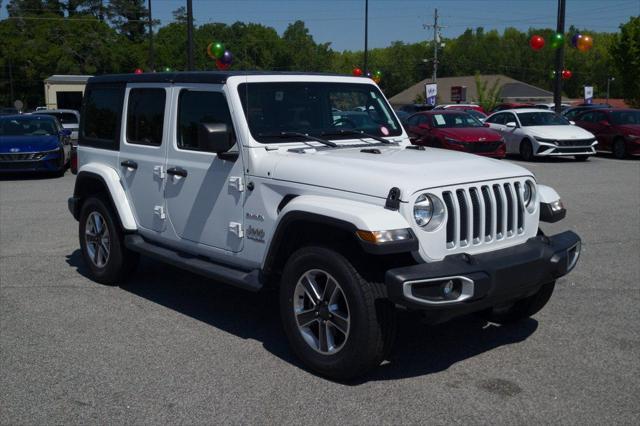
(588, 95)
(431, 91)
(458, 93)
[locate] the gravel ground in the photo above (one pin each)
(171, 347)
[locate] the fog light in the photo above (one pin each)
(447, 288)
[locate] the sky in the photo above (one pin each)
(341, 22)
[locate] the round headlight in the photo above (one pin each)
(529, 195)
(423, 210)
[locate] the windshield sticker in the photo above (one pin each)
(384, 130)
(439, 119)
(279, 96)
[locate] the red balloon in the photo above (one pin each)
(357, 72)
(138, 71)
(536, 42)
(221, 65)
(566, 74)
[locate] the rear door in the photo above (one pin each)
(143, 152)
(205, 191)
(603, 130)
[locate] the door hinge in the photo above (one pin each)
(236, 228)
(237, 183)
(159, 211)
(159, 171)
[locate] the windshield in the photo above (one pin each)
(475, 114)
(542, 119)
(455, 120)
(28, 126)
(317, 109)
(625, 117)
(63, 117)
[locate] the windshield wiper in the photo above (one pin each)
(356, 132)
(301, 135)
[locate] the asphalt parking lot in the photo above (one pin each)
(171, 347)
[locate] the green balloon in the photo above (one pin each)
(557, 40)
(217, 50)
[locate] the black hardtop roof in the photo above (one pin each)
(212, 77)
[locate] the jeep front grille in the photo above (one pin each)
(483, 213)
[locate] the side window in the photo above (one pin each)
(413, 120)
(599, 116)
(196, 107)
(145, 116)
(509, 117)
(587, 116)
(101, 116)
(496, 119)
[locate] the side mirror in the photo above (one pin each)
(604, 123)
(512, 124)
(424, 126)
(215, 137)
(573, 123)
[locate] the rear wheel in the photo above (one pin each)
(619, 149)
(337, 323)
(522, 309)
(526, 150)
(102, 243)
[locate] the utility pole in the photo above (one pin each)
(366, 36)
(609, 80)
(189, 35)
(557, 84)
(152, 64)
(436, 41)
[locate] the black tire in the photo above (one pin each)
(372, 320)
(581, 157)
(522, 309)
(619, 149)
(526, 150)
(120, 261)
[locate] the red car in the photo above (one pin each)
(617, 130)
(455, 130)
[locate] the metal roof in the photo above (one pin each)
(214, 77)
(77, 79)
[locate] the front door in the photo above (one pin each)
(143, 152)
(204, 191)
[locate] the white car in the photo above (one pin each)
(247, 179)
(69, 118)
(534, 133)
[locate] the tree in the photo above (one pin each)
(487, 98)
(129, 17)
(626, 55)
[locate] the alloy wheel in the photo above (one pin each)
(321, 310)
(97, 239)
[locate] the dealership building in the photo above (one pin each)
(64, 91)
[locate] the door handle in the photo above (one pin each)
(129, 164)
(177, 171)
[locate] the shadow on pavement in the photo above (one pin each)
(419, 350)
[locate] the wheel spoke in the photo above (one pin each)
(323, 338)
(98, 223)
(306, 317)
(329, 290)
(340, 323)
(96, 254)
(311, 289)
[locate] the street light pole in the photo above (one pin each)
(557, 86)
(366, 36)
(152, 64)
(190, 66)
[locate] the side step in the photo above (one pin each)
(237, 278)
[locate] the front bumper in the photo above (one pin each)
(51, 162)
(481, 281)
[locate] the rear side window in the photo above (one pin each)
(196, 107)
(101, 116)
(145, 116)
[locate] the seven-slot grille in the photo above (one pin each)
(484, 213)
(22, 156)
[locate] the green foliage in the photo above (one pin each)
(487, 98)
(45, 37)
(626, 54)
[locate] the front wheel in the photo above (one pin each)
(337, 323)
(522, 309)
(526, 150)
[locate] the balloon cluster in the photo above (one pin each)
(582, 42)
(223, 57)
(565, 74)
(376, 76)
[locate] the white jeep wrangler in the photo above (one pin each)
(308, 183)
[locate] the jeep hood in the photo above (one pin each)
(351, 170)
